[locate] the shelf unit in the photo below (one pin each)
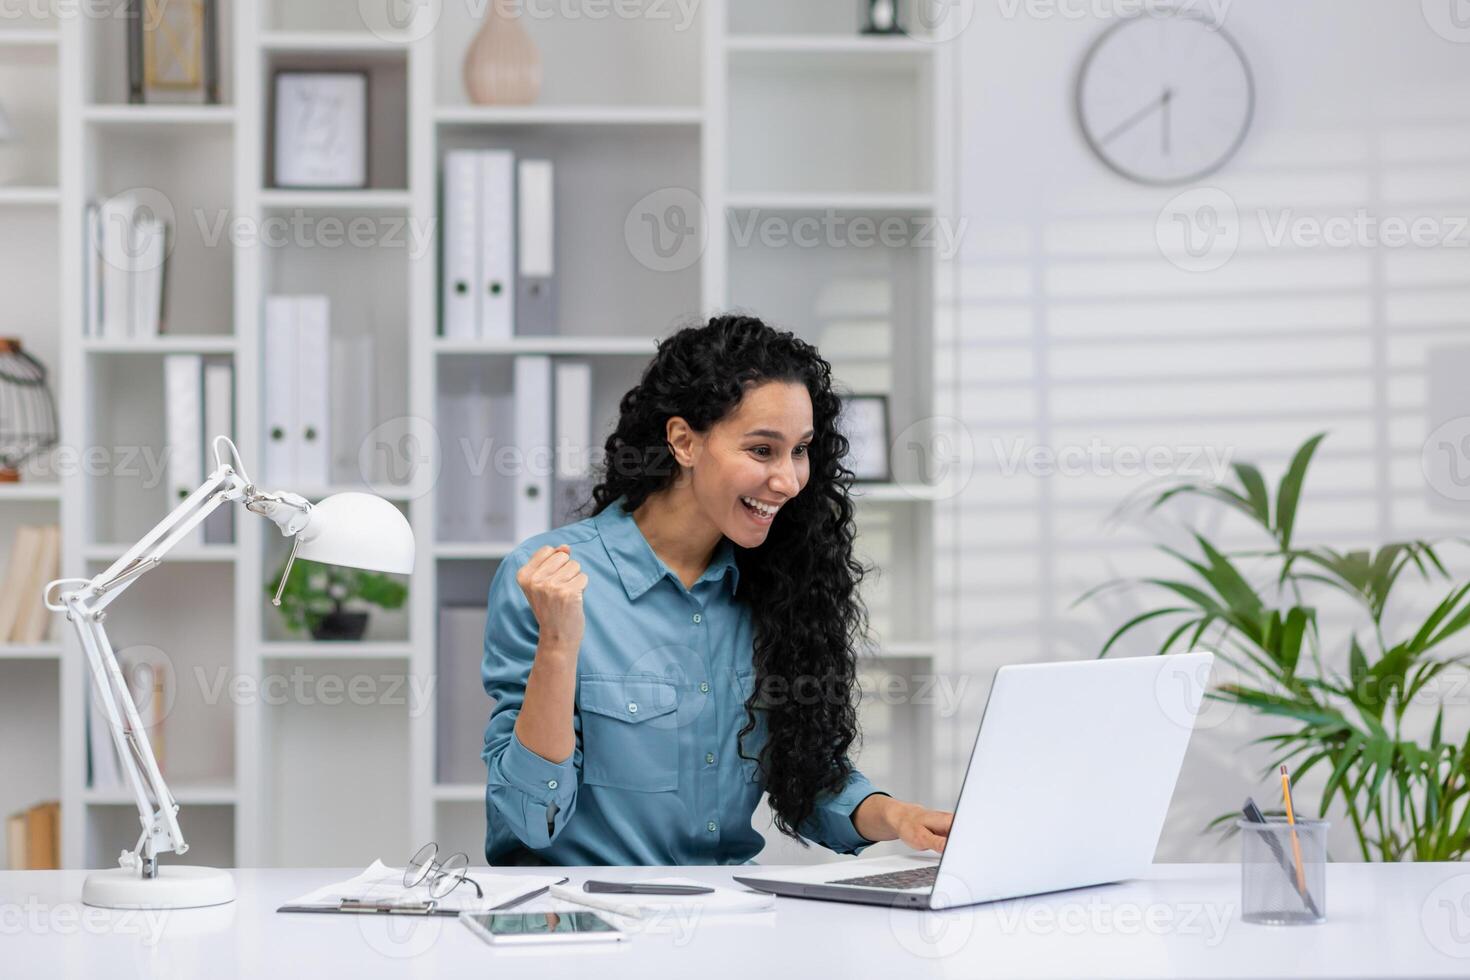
(628, 108)
(32, 676)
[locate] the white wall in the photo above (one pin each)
(1073, 327)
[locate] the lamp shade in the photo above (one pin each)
(358, 530)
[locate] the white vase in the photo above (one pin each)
(502, 65)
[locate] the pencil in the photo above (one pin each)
(1296, 847)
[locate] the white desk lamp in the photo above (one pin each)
(355, 529)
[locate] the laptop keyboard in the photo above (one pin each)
(908, 878)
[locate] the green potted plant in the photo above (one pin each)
(316, 595)
(1354, 697)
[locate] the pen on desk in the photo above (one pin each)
(1296, 846)
(527, 897)
(636, 888)
(1254, 815)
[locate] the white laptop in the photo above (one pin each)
(1068, 785)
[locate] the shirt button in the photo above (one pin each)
(704, 687)
(698, 619)
(632, 707)
(712, 826)
(551, 784)
(709, 757)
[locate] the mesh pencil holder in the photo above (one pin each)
(1283, 872)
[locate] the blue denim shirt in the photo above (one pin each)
(662, 677)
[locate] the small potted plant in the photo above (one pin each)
(315, 596)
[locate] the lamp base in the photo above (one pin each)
(176, 887)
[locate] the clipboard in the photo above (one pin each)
(354, 906)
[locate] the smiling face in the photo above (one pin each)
(751, 462)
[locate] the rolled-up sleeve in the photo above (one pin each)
(830, 824)
(527, 797)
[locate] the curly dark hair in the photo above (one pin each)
(801, 584)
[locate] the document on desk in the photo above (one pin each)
(380, 889)
(718, 902)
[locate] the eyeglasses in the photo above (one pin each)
(443, 877)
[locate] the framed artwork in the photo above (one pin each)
(173, 50)
(321, 129)
(865, 423)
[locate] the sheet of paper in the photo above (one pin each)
(380, 883)
(720, 901)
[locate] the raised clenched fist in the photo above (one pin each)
(553, 583)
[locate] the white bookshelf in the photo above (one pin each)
(759, 106)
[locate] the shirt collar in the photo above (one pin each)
(637, 564)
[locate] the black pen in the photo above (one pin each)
(633, 888)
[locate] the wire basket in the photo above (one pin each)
(27, 410)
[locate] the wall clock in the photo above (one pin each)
(1165, 99)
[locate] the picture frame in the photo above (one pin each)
(865, 423)
(173, 51)
(320, 129)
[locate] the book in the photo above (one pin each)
(497, 245)
(573, 481)
(92, 260)
(22, 556)
(34, 620)
(532, 507)
(535, 248)
(313, 395)
(183, 376)
(460, 261)
(115, 238)
(219, 420)
(15, 842)
(43, 837)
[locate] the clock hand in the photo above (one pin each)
(1132, 121)
(1168, 101)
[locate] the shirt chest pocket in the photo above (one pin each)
(630, 738)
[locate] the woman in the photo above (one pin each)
(657, 666)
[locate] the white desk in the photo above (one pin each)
(1384, 921)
